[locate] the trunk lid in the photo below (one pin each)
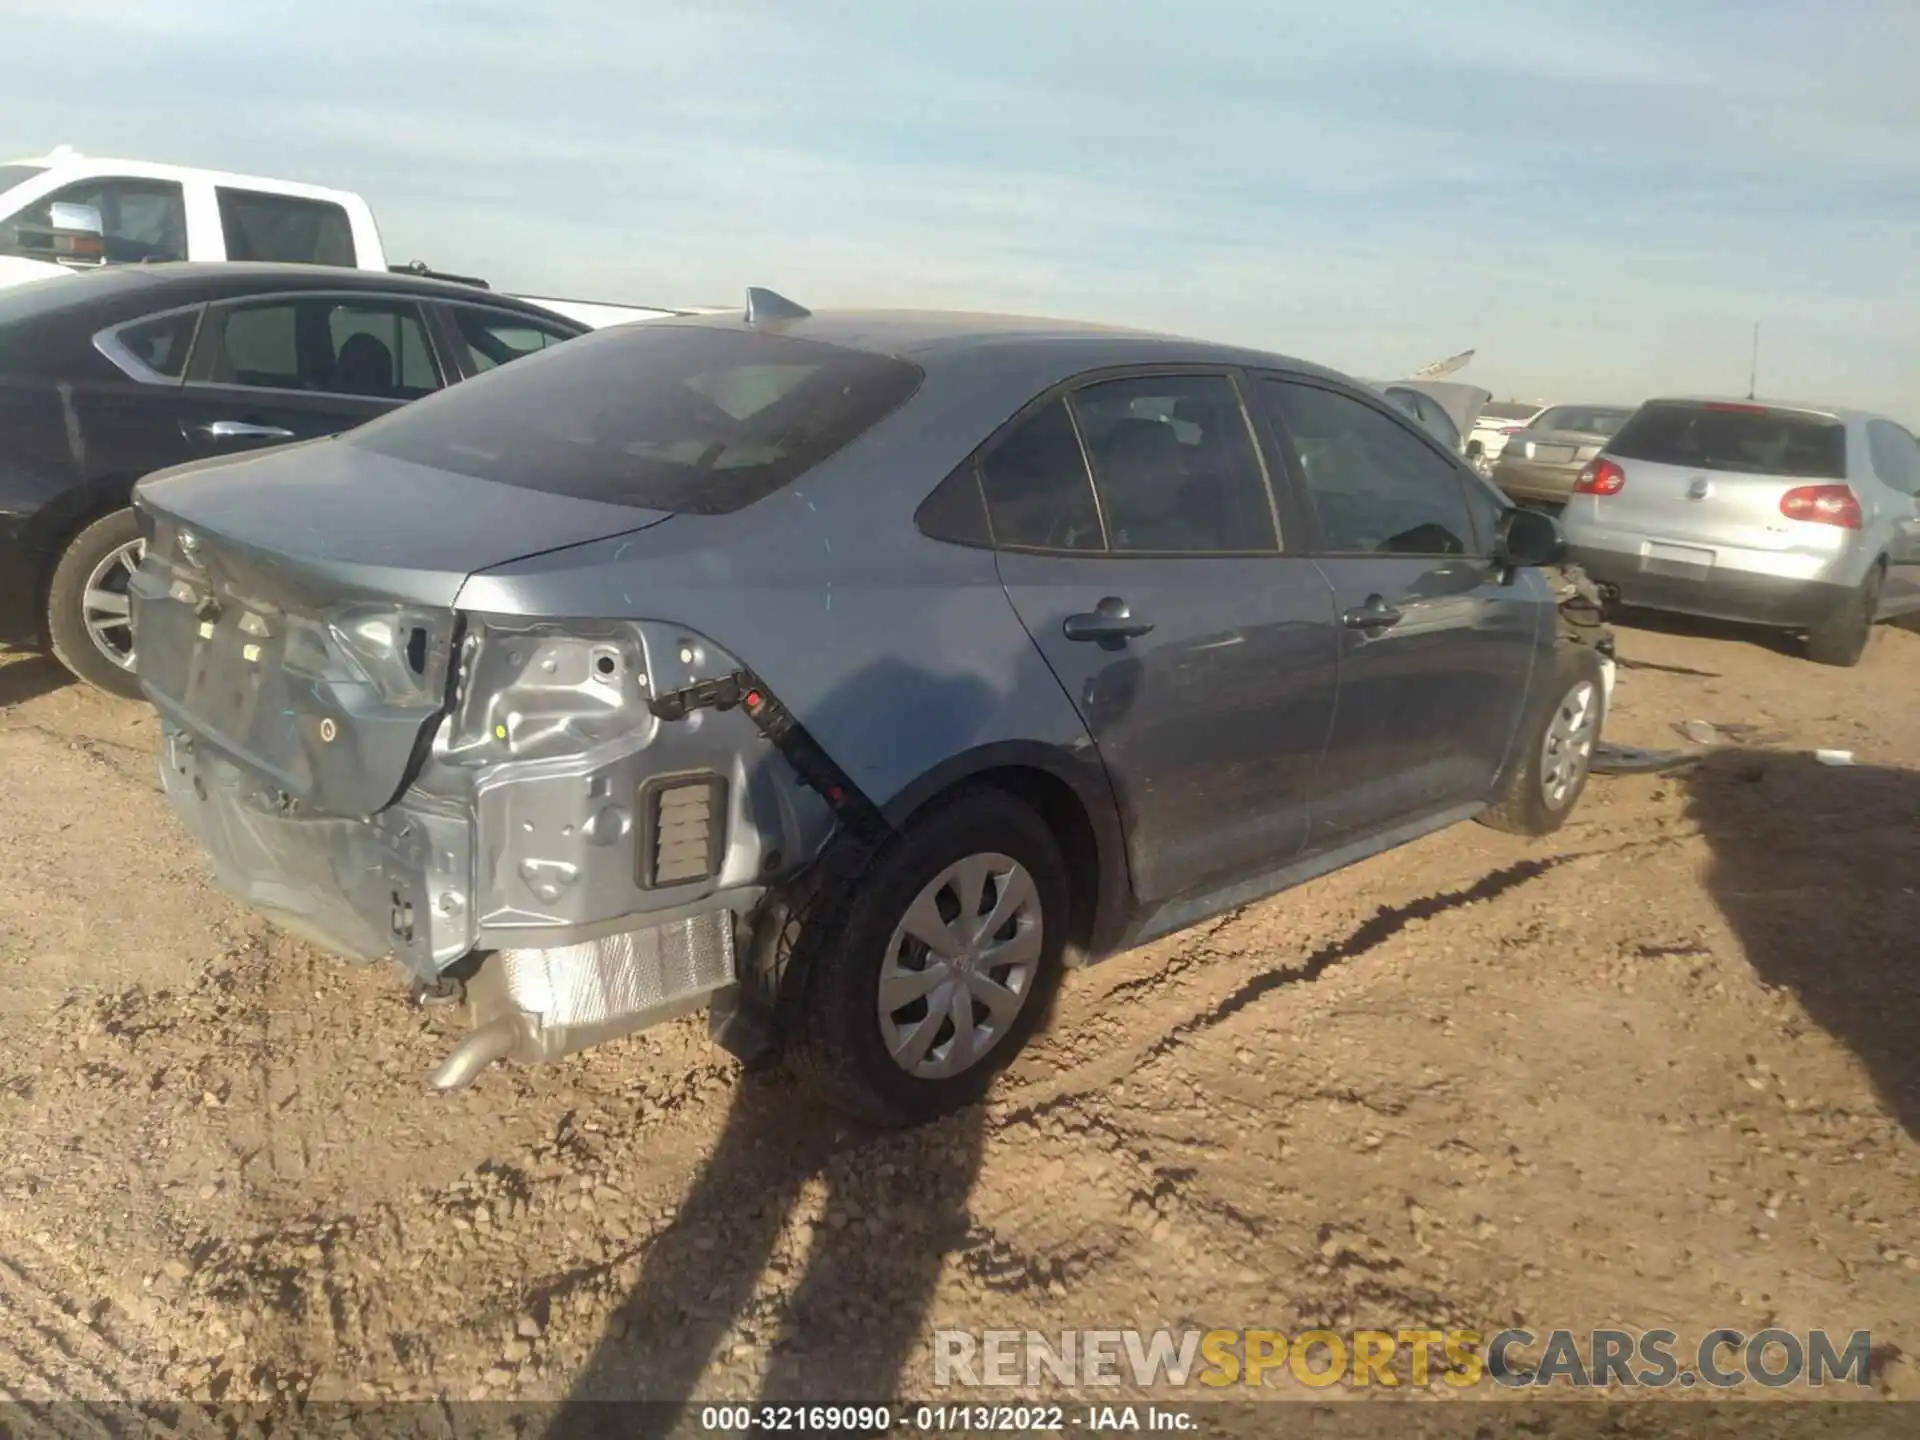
(1713, 473)
(1555, 447)
(294, 608)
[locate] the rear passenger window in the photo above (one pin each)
(1039, 496)
(284, 229)
(1175, 466)
(1378, 488)
(373, 348)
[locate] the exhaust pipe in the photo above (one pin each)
(493, 1041)
(538, 1005)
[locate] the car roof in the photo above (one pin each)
(68, 163)
(188, 282)
(1843, 413)
(935, 337)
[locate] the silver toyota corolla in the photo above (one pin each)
(847, 675)
(1796, 516)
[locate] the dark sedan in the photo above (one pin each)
(107, 375)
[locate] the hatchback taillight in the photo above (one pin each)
(1823, 505)
(1600, 477)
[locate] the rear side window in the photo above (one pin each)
(159, 345)
(1896, 458)
(1743, 439)
(1174, 465)
(374, 348)
(284, 229)
(692, 419)
(1039, 495)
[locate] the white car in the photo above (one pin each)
(1499, 420)
(65, 211)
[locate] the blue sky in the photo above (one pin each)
(1601, 198)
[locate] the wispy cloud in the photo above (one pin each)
(1603, 199)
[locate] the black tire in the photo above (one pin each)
(1841, 638)
(833, 1041)
(1524, 805)
(73, 646)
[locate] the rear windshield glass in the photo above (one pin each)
(1749, 439)
(686, 418)
(1586, 419)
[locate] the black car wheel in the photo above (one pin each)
(1841, 638)
(1556, 748)
(89, 620)
(938, 964)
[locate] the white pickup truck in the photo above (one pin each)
(67, 211)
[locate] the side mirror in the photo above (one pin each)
(68, 219)
(77, 233)
(1527, 538)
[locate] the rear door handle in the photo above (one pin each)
(241, 430)
(1110, 623)
(1376, 614)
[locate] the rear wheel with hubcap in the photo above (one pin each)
(936, 967)
(1841, 638)
(89, 615)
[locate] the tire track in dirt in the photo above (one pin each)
(57, 1343)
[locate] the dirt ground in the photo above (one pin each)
(1662, 1070)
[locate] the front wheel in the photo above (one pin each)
(89, 617)
(1556, 753)
(936, 967)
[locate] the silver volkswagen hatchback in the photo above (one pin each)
(1795, 516)
(846, 675)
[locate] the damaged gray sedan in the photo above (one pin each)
(846, 675)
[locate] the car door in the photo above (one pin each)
(1436, 642)
(1896, 460)
(1137, 538)
(270, 370)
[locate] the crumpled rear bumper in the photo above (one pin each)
(392, 885)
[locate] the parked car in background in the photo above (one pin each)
(845, 674)
(66, 212)
(1539, 462)
(113, 373)
(1801, 517)
(1497, 420)
(1444, 408)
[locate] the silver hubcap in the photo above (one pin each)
(960, 966)
(1568, 748)
(105, 608)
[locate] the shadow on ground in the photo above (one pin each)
(27, 677)
(1817, 869)
(1659, 622)
(807, 1242)
(869, 1221)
